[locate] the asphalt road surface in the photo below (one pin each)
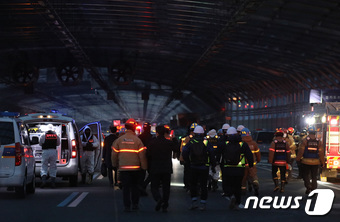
(99, 202)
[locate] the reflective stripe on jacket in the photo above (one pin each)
(129, 153)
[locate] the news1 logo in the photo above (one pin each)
(322, 204)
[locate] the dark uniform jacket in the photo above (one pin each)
(159, 155)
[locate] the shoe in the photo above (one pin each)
(158, 205)
(308, 190)
(43, 184)
(194, 205)
(165, 206)
(228, 198)
(53, 182)
(239, 207)
(202, 206)
(232, 203)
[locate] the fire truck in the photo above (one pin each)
(332, 148)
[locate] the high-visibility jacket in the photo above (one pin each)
(129, 153)
(279, 153)
(311, 152)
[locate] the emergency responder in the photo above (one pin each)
(292, 147)
(311, 155)
(250, 174)
(186, 173)
(302, 136)
(129, 156)
(159, 154)
(239, 129)
(279, 155)
(213, 177)
(170, 135)
(107, 152)
(198, 152)
(225, 127)
(49, 142)
(90, 144)
(235, 153)
(221, 141)
(146, 137)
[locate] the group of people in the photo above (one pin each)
(230, 152)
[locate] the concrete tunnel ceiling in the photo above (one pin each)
(105, 60)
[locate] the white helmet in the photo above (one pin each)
(225, 126)
(231, 130)
(199, 129)
(240, 128)
(212, 133)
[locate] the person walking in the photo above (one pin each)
(250, 174)
(235, 153)
(129, 156)
(49, 142)
(279, 156)
(107, 152)
(90, 144)
(199, 154)
(311, 155)
(159, 155)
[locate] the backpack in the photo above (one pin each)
(198, 153)
(232, 153)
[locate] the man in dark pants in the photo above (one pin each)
(234, 156)
(129, 155)
(107, 151)
(311, 155)
(159, 155)
(146, 137)
(200, 154)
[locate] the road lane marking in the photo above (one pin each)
(78, 200)
(68, 199)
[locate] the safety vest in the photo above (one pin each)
(280, 156)
(242, 162)
(311, 150)
(50, 141)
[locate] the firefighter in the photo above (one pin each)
(301, 137)
(90, 144)
(49, 142)
(279, 155)
(186, 173)
(292, 147)
(199, 154)
(250, 174)
(311, 155)
(129, 156)
(239, 128)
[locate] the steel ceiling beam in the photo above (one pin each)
(58, 27)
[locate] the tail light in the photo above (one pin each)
(18, 154)
(74, 149)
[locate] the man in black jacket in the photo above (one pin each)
(159, 154)
(107, 154)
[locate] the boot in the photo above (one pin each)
(53, 182)
(83, 178)
(43, 184)
(282, 186)
(276, 183)
(90, 178)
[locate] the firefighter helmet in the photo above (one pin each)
(239, 128)
(290, 130)
(279, 132)
(225, 126)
